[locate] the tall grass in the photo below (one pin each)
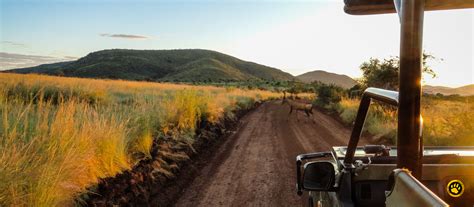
(60, 135)
(446, 122)
(49, 150)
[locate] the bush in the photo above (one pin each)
(328, 95)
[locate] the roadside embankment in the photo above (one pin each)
(159, 180)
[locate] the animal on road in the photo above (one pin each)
(298, 106)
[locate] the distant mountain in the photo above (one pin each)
(467, 90)
(328, 78)
(161, 65)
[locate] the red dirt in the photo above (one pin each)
(256, 165)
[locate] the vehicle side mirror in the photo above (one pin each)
(318, 176)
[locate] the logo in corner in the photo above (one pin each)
(455, 188)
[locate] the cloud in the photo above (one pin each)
(70, 57)
(125, 36)
(15, 44)
(13, 60)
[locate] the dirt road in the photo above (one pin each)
(256, 165)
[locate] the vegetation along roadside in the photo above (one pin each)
(448, 119)
(62, 135)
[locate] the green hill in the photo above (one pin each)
(161, 65)
(328, 78)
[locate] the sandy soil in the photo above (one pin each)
(256, 165)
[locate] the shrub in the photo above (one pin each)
(328, 96)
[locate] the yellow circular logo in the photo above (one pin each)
(455, 188)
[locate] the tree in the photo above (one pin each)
(328, 94)
(295, 88)
(384, 74)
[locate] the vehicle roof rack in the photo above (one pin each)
(364, 7)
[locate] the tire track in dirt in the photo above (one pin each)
(256, 165)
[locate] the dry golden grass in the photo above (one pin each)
(60, 135)
(446, 122)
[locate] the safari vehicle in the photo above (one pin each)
(404, 175)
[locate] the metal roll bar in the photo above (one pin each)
(386, 96)
(363, 7)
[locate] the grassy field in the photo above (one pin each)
(60, 135)
(446, 121)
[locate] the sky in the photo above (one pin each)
(294, 36)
